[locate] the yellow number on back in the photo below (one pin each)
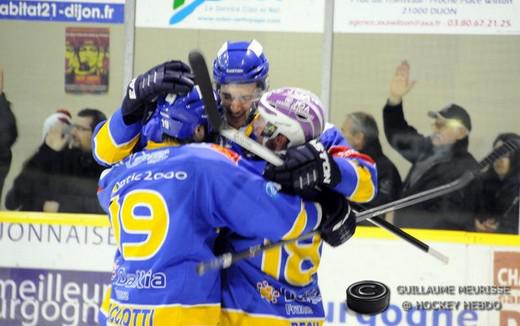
(297, 253)
(153, 225)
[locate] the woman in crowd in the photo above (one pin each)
(501, 190)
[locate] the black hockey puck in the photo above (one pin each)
(368, 297)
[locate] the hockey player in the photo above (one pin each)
(346, 171)
(280, 287)
(165, 205)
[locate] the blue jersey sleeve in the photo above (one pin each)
(113, 140)
(251, 206)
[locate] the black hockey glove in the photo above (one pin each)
(339, 221)
(305, 168)
(169, 77)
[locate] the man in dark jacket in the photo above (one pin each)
(8, 133)
(361, 131)
(436, 160)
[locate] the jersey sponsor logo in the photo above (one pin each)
(297, 309)
(150, 176)
(312, 295)
(121, 295)
(141, 279)
(267, 291)
(148, 157)
(272, 189)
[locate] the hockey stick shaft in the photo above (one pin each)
(459, 183)
(382, 223)
(228, 259)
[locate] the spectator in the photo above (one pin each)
(436, 160)
(501, 189)
(31, 185)
(74, 187)
(62, 176)
(8, 133)
(360, 130)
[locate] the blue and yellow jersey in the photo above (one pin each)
(280, 287)
(165, 206)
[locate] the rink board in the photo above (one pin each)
(54, 269)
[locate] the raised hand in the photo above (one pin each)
(401, 83)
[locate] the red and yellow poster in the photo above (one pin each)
(86, 60)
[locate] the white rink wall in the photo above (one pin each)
(476, 261)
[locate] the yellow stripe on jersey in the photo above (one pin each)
(236, 317)
(365, 190)
(107, 150)
(148, 315)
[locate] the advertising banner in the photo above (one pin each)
(55, 268)
(479, 285)
(79, 11)
(46, 297)
(251, 15)
(427, 16)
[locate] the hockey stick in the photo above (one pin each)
(384, 224)
(226, 260)
(198, 64)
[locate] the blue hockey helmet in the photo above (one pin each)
(177, 117)
(241, 63)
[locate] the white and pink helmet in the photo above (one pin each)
(293, 112)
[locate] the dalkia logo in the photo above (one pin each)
(183, 8)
